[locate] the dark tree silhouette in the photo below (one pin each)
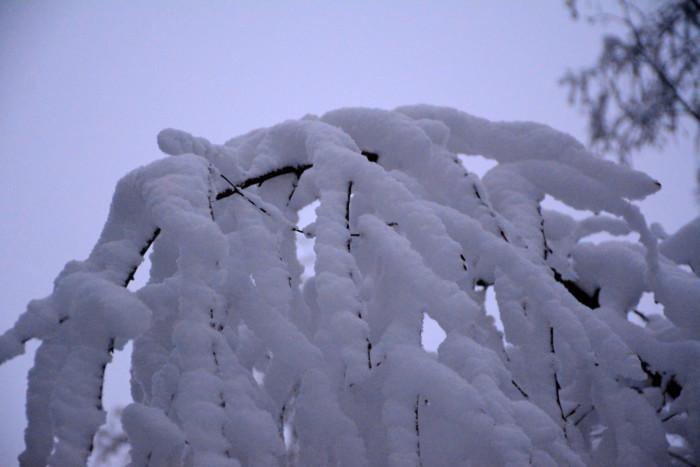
(644, 84)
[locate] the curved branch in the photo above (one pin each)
(260, 179)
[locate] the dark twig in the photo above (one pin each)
(557, 386)
(417, 428)
(347, 215)
(517, 386)
(238, 191)
(591, 301)
(260, 179)
(641, 315)
(142, 252)
(576, 423)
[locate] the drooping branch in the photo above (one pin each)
(369, 353)
(520, 390)
(417, 428)
(100, 389)
(297, 170)
(347, 215)
(584, 415)
(142, 252)
(488, 208)
(210, 192)
(591, 301)
(237, 191)
(260, 179)
(545, 245)
(125, 284)
(110, 351)
(557, 386)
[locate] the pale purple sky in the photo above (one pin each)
(86, 86)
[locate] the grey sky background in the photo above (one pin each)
(85, 88)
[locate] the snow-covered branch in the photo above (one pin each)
(240, 359)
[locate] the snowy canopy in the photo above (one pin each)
(241, 358)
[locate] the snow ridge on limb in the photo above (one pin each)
(683, 247)
(240, 360)
(516, 141)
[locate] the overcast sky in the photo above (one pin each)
(86, 86)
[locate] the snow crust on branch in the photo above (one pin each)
(239, 361)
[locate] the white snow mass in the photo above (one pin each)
(249, 350)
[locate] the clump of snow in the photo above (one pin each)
(443, 318)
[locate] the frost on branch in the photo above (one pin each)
(240, 360)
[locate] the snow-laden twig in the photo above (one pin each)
(240, 360)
